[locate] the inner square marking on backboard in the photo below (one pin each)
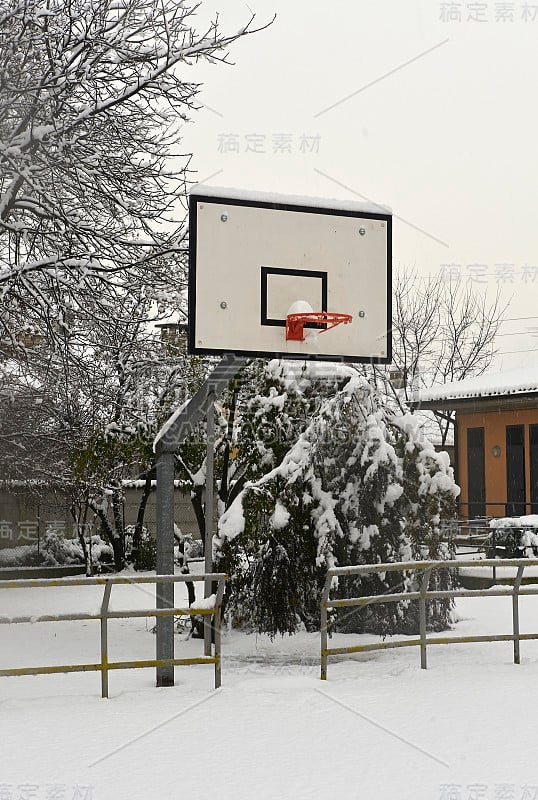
(318, 302)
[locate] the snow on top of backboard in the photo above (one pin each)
(252, 196)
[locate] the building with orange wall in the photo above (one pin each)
(496, 440)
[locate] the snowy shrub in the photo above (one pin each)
(194, 548)
(100, 551)
(25, 555)
(357, 483)
(147, 549)
(186, 547)
(512, 537)
(147, 554)
(274, 580)
(57, 551)
(505, 543)
(511, 543)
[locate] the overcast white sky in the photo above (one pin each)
(426, 106)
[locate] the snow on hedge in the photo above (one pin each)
(528, 520)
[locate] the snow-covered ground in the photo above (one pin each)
(379, 727)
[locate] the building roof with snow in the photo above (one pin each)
(511, 389)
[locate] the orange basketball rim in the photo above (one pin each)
(295, 323)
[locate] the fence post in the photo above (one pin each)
(217, 623)
(104, 639)
(515, 613)
(422, 618)
(323, 625)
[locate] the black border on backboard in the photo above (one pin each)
(194, 199)
(299, 273)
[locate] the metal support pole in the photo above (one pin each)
(38, 526)
(165, 564)
(209, 514)
(323, 642)
(167, 441)
(217, 622)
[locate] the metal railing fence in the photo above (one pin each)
(422, 596)
(105, 614)
(478, 536)
(497, 508)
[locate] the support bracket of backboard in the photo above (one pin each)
(183, 422)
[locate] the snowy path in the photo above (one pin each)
(378, 728)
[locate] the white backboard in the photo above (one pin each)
(253, 255)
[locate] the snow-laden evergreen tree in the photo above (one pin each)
(360, 484)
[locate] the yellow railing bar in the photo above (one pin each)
(422, 596)
(104, 666)
(161, 662)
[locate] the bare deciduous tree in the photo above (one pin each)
(443, 331)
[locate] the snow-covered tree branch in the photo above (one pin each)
(92, 95)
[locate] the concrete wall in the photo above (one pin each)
(24, 518)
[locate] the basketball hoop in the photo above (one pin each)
(296, 322)
(279, 256)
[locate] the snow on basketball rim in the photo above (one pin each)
(303, 307)
(233, 193)
(300, 307)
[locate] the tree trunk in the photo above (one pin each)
(196, 500)
(119, 532)
(224, 487)
(137, 535)
(110, 535)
